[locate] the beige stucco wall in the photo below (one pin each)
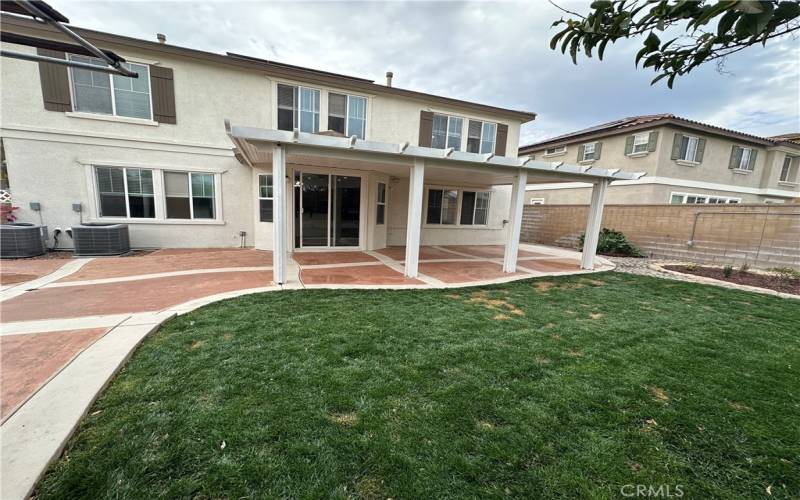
(48, 152)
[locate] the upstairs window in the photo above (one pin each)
(743, 159)
(688, 151)
(447, 132)
(347, 114)
(640, 142)
(789, 169)
(298, 107)
(702, 199)
(97, 92)
(481, 137)
(588, 151)
(125, 192)
(555, 151)
(189, 195)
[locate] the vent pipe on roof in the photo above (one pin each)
(162, 38)
(389, 76)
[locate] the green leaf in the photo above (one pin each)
(641, 54)
(762, 19)
(652, 41)
(557, 37)
(727, 21)
(601, 4)
(659, 77)
(787, 10)
(602, 48)
(748, 6)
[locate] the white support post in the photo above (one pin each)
(593, 223)
(279, 214)
(515, 219)
(414, 222)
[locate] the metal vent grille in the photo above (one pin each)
(22, 240)
(111, 239)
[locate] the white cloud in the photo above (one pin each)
(491, 52)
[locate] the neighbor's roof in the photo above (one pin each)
(632, 123)
(272, 67)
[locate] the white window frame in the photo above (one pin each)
(744, 160)
(465, 135)
(556, 151)
(790, 164)
(696, 142)
(111, 87)
(586, 148)
(190, 173)
(347, 98)
(705, 197)
(379, 203)
(459, 202)
(297, 111)
(462, 143)
(637, 141)
(127, 194)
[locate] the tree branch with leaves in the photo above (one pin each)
(714, 30)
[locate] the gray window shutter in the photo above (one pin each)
(501, 140)
(162, 87)
(736, 157)
(55, 82)
(629, 145)
(676, 146)
(751, 164)
(580, 152)
(598, 148)
(652, 140)
(701, 148)
(425, 128)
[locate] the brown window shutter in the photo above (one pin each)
(163, 92)
(501, 140)
(55, 82)
(425, 128)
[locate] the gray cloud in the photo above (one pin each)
(491, 52)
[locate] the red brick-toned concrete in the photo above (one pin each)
(356, 275)
(425, 253)
(490, 251)
(551, 265)
(21, 270)
(321, 258)
(128, 296)
(28, 361)
(463, 272)
(173, 259)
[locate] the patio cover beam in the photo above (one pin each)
(387, 151)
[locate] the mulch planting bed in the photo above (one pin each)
(784, 284)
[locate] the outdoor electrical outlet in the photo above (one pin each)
(77, 207)
(36, 206)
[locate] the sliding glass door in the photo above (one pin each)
(327, 210)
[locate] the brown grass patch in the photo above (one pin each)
(550, 325)
(596, 315)
(369, 487)
(453, 296)
(736, 405)
(501, 317)
(649, 425)
(659, 393)
(197, 344)
(485, 425)
(227, 336)
(543, 361)
(575, 354)
(482, 298)
(543, 286)
(344, 419)
(595, 282)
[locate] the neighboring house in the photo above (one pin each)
(685, 161)
(359, 160)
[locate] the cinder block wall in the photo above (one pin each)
(759, 235)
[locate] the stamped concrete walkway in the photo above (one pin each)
(68, 325)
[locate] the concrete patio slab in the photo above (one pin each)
(129, 296)
(378, 274)
(30, 360)
(322, 258)
(171, 260)
(464, 272)
(553, 265)
(22, 270)
(425, 253)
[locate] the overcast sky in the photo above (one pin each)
(490, 52)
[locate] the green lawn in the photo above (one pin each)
(561, 387)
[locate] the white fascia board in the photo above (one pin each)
(671, 181)
(239, 134)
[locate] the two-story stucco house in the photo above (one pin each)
(213, 150)
(686, 162)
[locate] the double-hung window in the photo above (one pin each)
(97, 92)
(743, 159)
(298, 107)
(588, 151)
(442, 206)
(481, 137)
(474, 207)
(265, 197)
(447, 132)
(125, 192)
(189, 195)
(347, 114)
(555, 151)
(381, 204)
(789, 174)
(688, 151)
(640, 142)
